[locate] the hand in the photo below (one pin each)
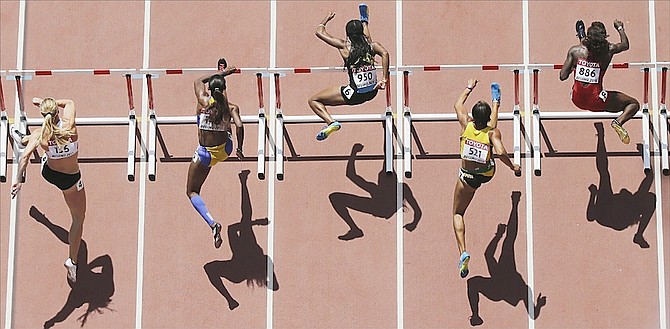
(15, 189)
(240, 154)
(618, 24)
(381, 84)
(472, 83)
(37, 101)
(329, 17)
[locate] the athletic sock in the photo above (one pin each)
(200, 206)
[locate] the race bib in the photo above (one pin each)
(587, 72)
(67, 150)
(475, 151)
(348, 92)
(365, 78)
(205, 124)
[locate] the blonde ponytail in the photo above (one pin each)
(49, 108)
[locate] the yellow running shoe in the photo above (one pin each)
(621, 131)
(326, 131)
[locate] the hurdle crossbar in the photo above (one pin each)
(51, 72)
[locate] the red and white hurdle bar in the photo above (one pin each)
(408, 117)
(537, 116)
(24, 122)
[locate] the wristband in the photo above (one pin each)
(324, 25)
(619, 28)
(469, 88)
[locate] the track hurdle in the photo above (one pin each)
(386, 117)
(664, 123)
(409, 118)
(538, 116)
(4, 131)
(156, 120)
(24, 122)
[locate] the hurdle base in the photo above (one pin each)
(538, 172)
(280, 176)
(152, 178)
(261, 175)
(131, 178)
(666, 172)
(3, 179)
(408, 174)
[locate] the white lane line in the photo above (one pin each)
(14, 205)
(662, 295)
(400, 216)
(271, 167)
(143, 172)
(528, 171)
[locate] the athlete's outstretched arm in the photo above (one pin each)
(325, 36)
(496, 140)
(459, 107)
(623, 45)
(381, 51)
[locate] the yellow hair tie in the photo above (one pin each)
(211, 100)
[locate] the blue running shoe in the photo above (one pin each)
(581, 30)
(463, 264)
(327, 130)
(495, 92)
(363, 10)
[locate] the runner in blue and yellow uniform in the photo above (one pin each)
(358, 53)
(214, 120)
(479, 136)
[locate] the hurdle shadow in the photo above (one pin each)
(248, 262)
(505, 282)
(381, 202)
(620, 210)
(95, 280)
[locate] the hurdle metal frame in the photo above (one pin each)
(180, 120)
(409, 117)
(538, 115)
(663, 125)
(4, 131)
(24, 122)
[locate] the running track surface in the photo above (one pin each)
(147, 248)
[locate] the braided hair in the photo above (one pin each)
(360, 48)
(596, 39)
(217, 85)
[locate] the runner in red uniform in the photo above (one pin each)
(589, 61)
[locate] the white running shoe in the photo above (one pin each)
(71, 270)
(17, 136)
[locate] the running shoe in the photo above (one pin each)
(495, 92)
(363, 10)
(216, 231)
(463, 264)
(621, 131)
(581, 30)
(17, 136)
(71, 270)
(327, 130)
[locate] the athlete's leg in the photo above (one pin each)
(197, 173)
(75, 197)
(329, 96)
(618, 101)
(463, 195)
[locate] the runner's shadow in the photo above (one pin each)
(624, 209)
(381, 202)
(248, 261)
(95, 280)
(505, 283)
